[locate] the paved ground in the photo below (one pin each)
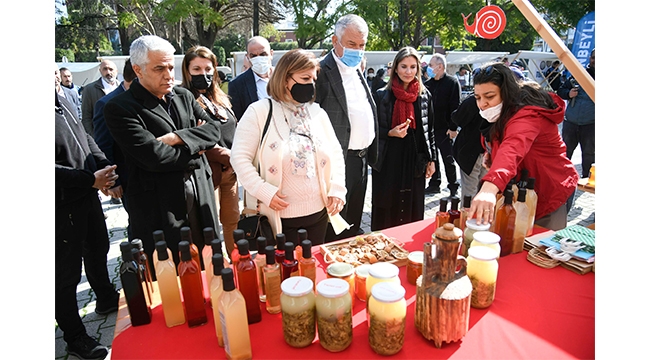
(102, 327)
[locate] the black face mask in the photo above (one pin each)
(201, 82)
(302, 93)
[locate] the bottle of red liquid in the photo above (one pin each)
(189, 272)
(134, 287)
(504, 224)
(279, 250)
(290, 264)
(442, 216)
(237, 234)
(186, 235)
(247, 282)
(454, 212)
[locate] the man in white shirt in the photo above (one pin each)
(95, 91)
(250, 86)
(343, 93)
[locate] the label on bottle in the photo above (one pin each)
(273, 292)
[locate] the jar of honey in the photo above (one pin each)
(344, 271)
(486, 238)
(482, 269)
(414, 266)
(381, 272)
(360, 275)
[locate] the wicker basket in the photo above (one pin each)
(538, 257)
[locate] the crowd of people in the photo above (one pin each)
(300, 138)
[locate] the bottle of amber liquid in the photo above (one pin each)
(143, 261)
(260, 263)
(233, 317)
(467, 203)
(280, 239)
(454, 212)
(505, 220)
(531, 203)
(521, 222)
(442, 216)
(190, 274)
(159, 235)
(134, 288)
(186, 235)
(290, 264)
(302, 236)
(307, 265)
(216, 288)
(206, 253)
(170, 294)
(247, 282)
(272, 282)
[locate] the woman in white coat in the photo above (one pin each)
(294, 172)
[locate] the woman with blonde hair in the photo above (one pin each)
(406, 144)
(201, 78)
(294, 171)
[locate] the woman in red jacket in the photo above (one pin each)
(522, 134)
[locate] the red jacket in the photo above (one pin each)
(531, 141)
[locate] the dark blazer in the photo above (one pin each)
(330, 95)
(157, 171)
(89, 96)
(105, 140)
(243, 92)
(467, 145)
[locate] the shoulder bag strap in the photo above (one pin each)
(266, 128)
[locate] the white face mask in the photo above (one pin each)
(492, 114)
(261, 64)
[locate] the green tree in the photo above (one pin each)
(315, 20)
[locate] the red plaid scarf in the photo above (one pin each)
(403, 108)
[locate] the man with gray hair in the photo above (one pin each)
(250, 86)
(163, 133)
(445, 91)
(344, 94)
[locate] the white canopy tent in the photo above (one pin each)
(536, 62)
(473, 58)
(83, 73)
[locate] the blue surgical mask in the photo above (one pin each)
(430, 72)
(351, 57)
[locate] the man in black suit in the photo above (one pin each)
(344, 94)
(163, 132)
(250, 86)
(95, 91)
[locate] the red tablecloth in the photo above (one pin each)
(537, 314)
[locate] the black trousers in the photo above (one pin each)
(80, 235)
(356, 182)
(444, 147)
(315, 224)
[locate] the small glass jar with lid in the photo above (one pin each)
(381, 272)
(345, 271)
(487, 238)
(387, 311)
(360, 276)
(298, 311)
(334, 314)
(471, 227)
(414, 266)
(482, 269)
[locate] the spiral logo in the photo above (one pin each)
(489, 23)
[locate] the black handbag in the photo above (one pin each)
(255, 226)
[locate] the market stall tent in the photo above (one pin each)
(535, 62)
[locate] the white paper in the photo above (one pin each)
(338, 223)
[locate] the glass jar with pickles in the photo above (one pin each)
(334, 314)
(482, 269)
(387, 311)
(298, 311)
(343, 271)
(487, 238)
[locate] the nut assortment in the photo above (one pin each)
(365, 249)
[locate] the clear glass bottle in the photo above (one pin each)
(260, 263)
(272, 281)
(190, 274)
(482, 269)
(334, 314)
(471, 227)
(531, 203)
(233, 319)
(505, 223)
(247, 282)
(290, 264)
(387, 323)
(134, 288)
(521, 222)
(216, 289)
(487, 238)
(298, 311)
(381, 272)
(344, 271)
(442, 216)
(170, 294)
(306, 263)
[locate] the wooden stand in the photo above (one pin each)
(443, 296)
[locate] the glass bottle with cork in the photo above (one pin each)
(134, 288)
(233, 317)
(334, 314)
(442, 216)
(190, 274)
(272, 281)
(531, 203)
(298, 311)
(216, 289)
(260, 263)
(247, 282)
(521, 222)
(307, 264)
(504, 224)
(290, 264)
(170, 294)
(387, 323)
